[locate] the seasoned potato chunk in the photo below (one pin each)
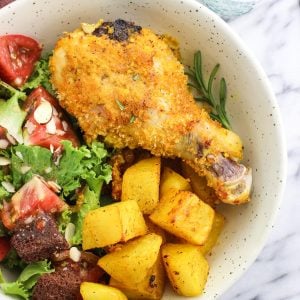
(183, 214)
(96, 291)
(141, 184)
(132, 263)
(186, 267)
(152, 287)
(199, 186)
(212, 239)
(112, 224)
(216, 230)
(172, 180)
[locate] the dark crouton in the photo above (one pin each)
(118, 30)
(63, 284)
(38, 239)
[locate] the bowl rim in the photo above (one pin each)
(276, 113)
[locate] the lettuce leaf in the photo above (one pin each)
(22, 287)
(15, 288)
(3, 193)
(12, 117)
(40, 76)
(11, 114)
(87, 201)
(70, 168)
(76, 166)
(36, 159)
(90, 202)
(89, 162)
(98, 172)
(64, 219)
(83, 163)
(33, 271)
(2, 280)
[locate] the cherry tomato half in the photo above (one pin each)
(46, 123)
(18, 54)
(32, 197)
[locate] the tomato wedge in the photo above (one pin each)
(32, 197)
(18, 54)
(46, 123)
(4, 247)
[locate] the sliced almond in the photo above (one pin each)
(30, 127)
(28, 220)
(11, 139)
(70, 231)
(65, 125)
(43, 112)
(19, 154)
(24, 169)
(48, 170)
(54, 186)
(51, 127)
(57, 159)
(58, 150)
(60, 132)
(18, 81)
(8, 186)
(55, 113)
(3, 144)
(75, 254)
(4, 161)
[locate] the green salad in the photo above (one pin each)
(34, 160)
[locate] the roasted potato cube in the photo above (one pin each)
(212, 239)
(132, 263)
(215, 232)
(152, 287)
(199, 186)
(96, 291)
(186, 267)
(183, 214)
(112, 224)
(172, 180)
(141, 184)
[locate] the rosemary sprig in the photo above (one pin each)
(120, 104)
(132, 119)
(206, 90)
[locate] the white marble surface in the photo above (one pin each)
(272, 32)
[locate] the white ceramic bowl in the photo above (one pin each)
(252, 106)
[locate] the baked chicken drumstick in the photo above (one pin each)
(123, 83)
